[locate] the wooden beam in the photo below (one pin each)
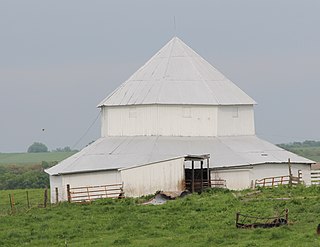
(192, 179)
(201, 163)
(208, 173)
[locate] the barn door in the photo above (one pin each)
(197, 174)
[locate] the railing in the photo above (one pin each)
(91, 193)
(198, 185)
(276, 181)
(218, 183)
(315, 177)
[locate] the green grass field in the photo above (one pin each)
(32, 158)
(197, 220)
(312, 153)
(23, 199)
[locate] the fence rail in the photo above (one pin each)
(199, 185)
(15, 201)
(315, 177)
(218, 183)
(91, 193)
(276, 181)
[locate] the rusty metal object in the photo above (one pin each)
(249, 221)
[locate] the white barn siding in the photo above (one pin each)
(175, 120)
(56, 182)
(159, 120)
(81, 179)
(236, 120)
(273, 170)
(148, 179)
(236, 179)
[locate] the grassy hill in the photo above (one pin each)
(26, 170)
(32, 158)
(308, 149)
(197, 220)
(312, 153)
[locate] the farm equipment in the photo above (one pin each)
(249, 221)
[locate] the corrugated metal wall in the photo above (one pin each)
(148, 179)
(177, 120)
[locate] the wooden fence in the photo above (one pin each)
(315, 177)
(218, 183)
(200, 185)
(276, 181)
(91, 193)
(13, 201)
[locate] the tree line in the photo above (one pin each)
(38, 147)
(307, 143)
(24, 177)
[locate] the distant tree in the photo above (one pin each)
(65, 149)
(37, 147)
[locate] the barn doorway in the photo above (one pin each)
(197, 173)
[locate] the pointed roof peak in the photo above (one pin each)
(176, 74)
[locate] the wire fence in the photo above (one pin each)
(15, 201)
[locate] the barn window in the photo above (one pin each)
(186, 112)
(132, 112)
(235, 112)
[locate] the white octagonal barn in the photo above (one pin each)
(177, 123)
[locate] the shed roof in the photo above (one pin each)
(177, 75)
(121, 152)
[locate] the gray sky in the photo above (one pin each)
(59, 59)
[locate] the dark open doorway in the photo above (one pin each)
(197, 176)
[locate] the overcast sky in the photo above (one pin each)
(59, 59)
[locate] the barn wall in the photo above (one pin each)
(236, 179)
(177, 120)
(148, 179)
(163, 120)
(55, 182)
(273, 170)
(236, 120)
(82, 179)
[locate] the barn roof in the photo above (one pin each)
(122, 152)
(177, 75)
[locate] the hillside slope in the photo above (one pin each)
(197, 220)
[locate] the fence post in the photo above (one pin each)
(68, 193)
(290, 173)
(300, 176)
(11, 199)
(237, 218)
(28, 202)
(10, 202)
(45, 197)
(88, 194)
(57, 195)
